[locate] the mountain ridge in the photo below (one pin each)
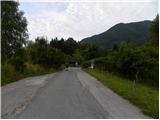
(136, 32)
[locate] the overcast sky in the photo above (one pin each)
(83, 19)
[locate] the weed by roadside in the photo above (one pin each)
(9, 74)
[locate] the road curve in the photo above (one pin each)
(66, 94)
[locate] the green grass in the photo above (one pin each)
(9, 75)
(144, 97)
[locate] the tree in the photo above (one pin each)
(92, 51)
(54, 58)
(58, 44)
(14, 29)
(77, 56)
(70, 46)
(154, 31)
(41, 50)
(115, 47)
(30, 52)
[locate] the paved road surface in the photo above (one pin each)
(66, 94)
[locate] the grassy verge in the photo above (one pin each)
(9, 74)
(144, 97)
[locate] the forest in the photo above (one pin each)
(21, 57)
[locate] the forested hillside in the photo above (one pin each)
(137, 33)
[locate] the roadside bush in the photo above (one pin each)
(18, 63)
(54, 58)
(101, 63)
(86, 64)
(138, 64)
(43, 54)
(32, 67)
(8, 73)
(106, 63)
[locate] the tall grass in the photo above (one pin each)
(9, 74)
(144, 97)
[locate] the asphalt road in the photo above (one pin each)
(66, 94)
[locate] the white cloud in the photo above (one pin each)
(83, 19)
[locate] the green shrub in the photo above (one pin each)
(9, 73)
(86, 64)
(18, 63)
(106, 63)
(138, 64)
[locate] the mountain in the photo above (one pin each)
(136, 32)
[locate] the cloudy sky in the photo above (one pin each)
(83, 19)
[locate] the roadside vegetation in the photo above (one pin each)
(144, 97)
(9, 74)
